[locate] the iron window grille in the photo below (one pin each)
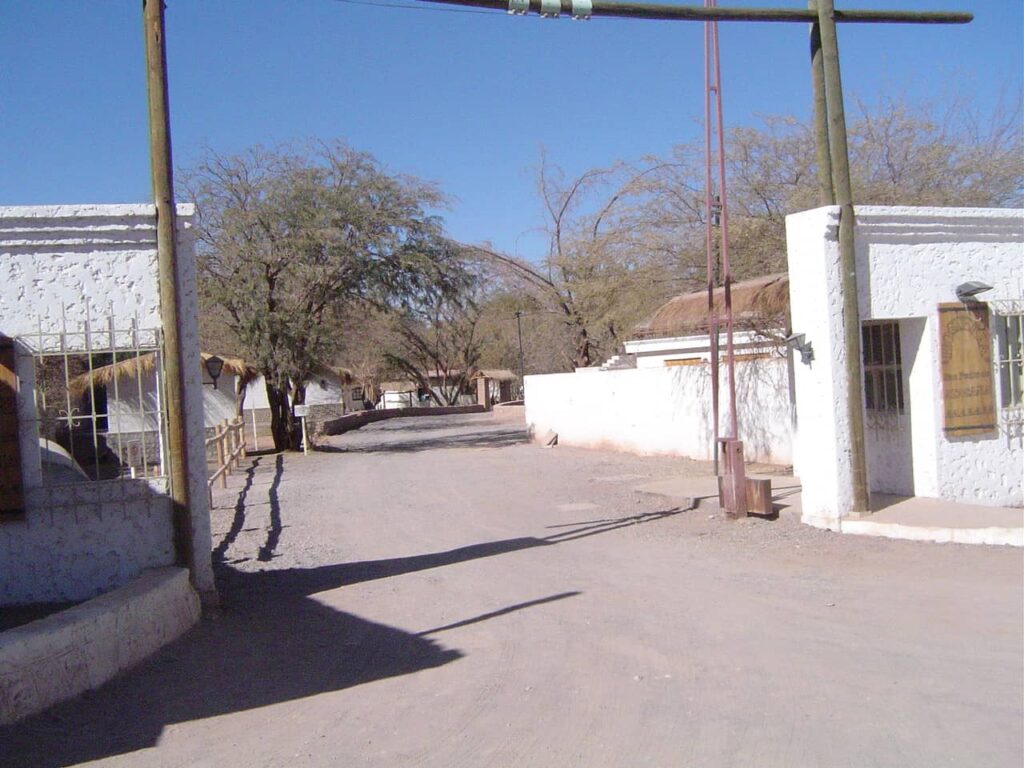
(1008, 322)
(883, 373)
(99, 401)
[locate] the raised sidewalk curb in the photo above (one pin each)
(60, 656)
(894, 517)
(1011, 537)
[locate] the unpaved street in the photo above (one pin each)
(437, 592)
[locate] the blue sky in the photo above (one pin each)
(463, 99)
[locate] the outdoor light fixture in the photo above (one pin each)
(214, 366)
(967, 291)
(797, 341)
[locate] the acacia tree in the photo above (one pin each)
(290, 238)
(435, 329)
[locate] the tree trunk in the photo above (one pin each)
(282, 424)
(298, 398)
(240, 390)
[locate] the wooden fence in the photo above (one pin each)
(226, 448)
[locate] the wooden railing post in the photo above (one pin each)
(222, 454)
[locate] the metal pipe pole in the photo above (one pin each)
(847, 255)
(522, 358)
(712, 256)
(826, 193)
(724, 232)
(163, 196)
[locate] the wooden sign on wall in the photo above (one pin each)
(968, 390)
(12, 501)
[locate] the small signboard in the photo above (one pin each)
(968, 389)
(12, 501)
(300, 411)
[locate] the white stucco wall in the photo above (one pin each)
(909, 260)
(664, 410)
(83, 539)
(653, 353)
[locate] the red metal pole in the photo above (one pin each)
(710, 241)
(724, 213)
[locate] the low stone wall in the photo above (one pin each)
(362, 418)
(56, 658)
(82, 540)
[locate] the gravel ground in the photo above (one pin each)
(438, 592)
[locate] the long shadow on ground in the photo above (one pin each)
(270, 644)
(498, 438)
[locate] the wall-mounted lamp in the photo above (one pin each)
(214, 366)
(967, 291)
(798, 342)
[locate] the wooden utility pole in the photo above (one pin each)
(672, 12)
(826, 193)
(163, 195)
(840, 158)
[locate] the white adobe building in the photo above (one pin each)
(657, 400)
(910, 262)
(79, 285)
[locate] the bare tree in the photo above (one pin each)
(600, 273)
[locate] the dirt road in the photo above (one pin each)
(436, 592)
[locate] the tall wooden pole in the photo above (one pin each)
(839, 154)
(163, 196)
(826, 193)
(676, 12)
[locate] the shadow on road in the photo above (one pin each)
(271, 643)
(266, 552)
(498, 438)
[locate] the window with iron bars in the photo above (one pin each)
(1009, 329)
(883, 368)
(99, 402)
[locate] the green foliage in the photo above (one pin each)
(291, 238)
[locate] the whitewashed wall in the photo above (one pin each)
(663, 410)
(909, 260)
(84, 539)
(654, 353)
(331, 393)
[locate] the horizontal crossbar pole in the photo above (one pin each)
(625, 10)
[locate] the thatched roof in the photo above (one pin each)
(133, 367)
(758, 304)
